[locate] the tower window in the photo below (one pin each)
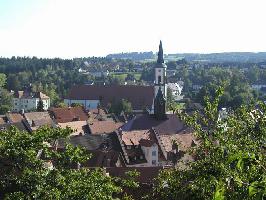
(159, 79)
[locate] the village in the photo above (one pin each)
(148, 139)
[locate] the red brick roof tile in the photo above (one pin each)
(63, 115)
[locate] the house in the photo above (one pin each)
(70, 114)
(27, 100)
(104, 148)
(78, 127)
(100, 122)
(21, 126)
(176, 90)
(140, 148)
(90, 96)
(258, 87)
(14, 117)
(39, 119)
(75, 118)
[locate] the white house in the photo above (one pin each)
(176, 89)
(27, 101)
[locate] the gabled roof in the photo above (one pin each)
(140, 97)
(171, 125)
(104, 142)
(77, 126)
(14, 117)
(27, 94)
(134, 137)
(37, 119)
(102, 127)
(63, 115)
(40, 95)
(22, 126)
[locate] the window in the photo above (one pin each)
(153, 153)
(153, 162)
(128, 147)
(159, 79)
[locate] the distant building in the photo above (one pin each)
(176, 89)
(258, 86)
(27, 101)
(90, 96)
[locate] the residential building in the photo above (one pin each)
(100, 122)
(39, 119)
(28, 101)
(104, 148)
(70, 114)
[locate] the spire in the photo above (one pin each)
(160, 54)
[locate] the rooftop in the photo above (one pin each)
(79, 127)
(14, 117)
(37, 119)
(63, 115)
(171, 125)
(101, 127)
(113, 93)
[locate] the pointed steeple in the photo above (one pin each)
(160, 54)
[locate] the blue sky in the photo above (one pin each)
(77, 28)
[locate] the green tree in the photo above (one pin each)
(123, 105)
(25, 176)
(2, 80)
(76, 105)
(40, 106)
(5, 101)
(230, 160)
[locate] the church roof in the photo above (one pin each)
(171, 125)
(140, 97)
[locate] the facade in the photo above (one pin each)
(28, 101)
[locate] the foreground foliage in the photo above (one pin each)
(230, 159)
(25, 176)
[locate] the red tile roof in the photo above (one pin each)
(134, 137)
(63, 115)
(14, 117)
(139, 96)
(100, 127)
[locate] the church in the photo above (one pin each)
(142, 98)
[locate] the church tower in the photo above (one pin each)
(160, 74)
(160, 80)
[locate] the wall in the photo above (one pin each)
(88, 104)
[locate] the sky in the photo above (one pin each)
(83, 28)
